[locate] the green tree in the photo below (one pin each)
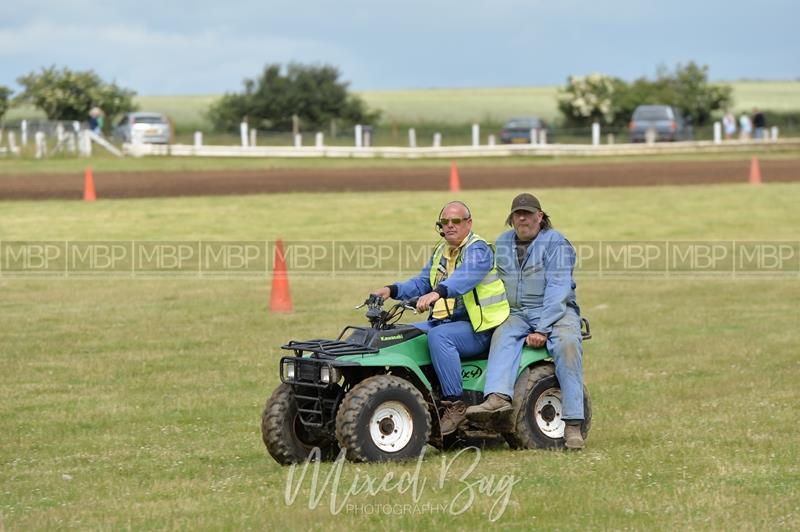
(689, 90)
(5, 93)
(314, 93)
(597, 97)
(69, 95)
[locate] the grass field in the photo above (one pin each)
(135, 403)
(455, 106)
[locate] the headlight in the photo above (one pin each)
(288, 370)
(329, 375)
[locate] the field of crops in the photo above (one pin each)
(134, 401)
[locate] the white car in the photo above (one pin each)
(150, 128)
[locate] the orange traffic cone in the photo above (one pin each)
(280, 299)
(455, 182)
(755, 172)
(88, 186)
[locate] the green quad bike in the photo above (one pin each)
(374, 393)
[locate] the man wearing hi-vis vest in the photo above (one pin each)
(467, 299)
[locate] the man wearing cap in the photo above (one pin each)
(536, 263)
(459, 284)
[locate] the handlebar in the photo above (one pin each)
(383, 319)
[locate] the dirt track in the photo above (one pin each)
(216, 183)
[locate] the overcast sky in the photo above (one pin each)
(208, 47)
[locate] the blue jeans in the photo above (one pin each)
(565, 346)
(448, 343)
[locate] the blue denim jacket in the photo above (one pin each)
(543, 288)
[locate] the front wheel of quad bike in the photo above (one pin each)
(538, 423)
(383, 418)
(287, 439)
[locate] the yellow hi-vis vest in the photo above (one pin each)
(486, 304)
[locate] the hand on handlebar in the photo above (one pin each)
(425, 302)
(383, 292)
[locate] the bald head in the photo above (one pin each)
(456, 222)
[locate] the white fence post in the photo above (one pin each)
(476, 135)
(243, 131)
(59, 133)
(717, 133)
(41, 150)
(198, 139)
(412, 138)
(253, 137)
(319, 140)
(437, 140)
(359, 136)
(543, 136)
(85, 143)
(774, 133)
(533, 137)
(492, 141)
(595, 134)
(23, 133)
(12, 142)
(298, 140)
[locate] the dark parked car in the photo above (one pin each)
(518, 130)
(665, 121)
(151, 128)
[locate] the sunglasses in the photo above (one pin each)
(455, 221)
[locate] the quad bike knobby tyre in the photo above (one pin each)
(287, 440)
(537, 417)
(383, 418)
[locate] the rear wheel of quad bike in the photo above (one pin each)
(383, 418)
(287, 439)
(538, 423)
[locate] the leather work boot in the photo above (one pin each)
(493, 406)
(454, 415)
(573, 437)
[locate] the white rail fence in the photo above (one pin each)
(68, 137)
(502, 150)
(52, 138)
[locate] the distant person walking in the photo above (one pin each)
(745, 127)
(729, 125)
(759, 124)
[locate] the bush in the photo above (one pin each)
(591, 98)
(69, 95)
(313, 93)
(611, 100)
(782, 119)
(5, 92)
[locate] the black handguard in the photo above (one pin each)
(374, 307)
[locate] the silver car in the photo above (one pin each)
(148, 128)
(664, 121)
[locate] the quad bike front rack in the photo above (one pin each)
(327, 348)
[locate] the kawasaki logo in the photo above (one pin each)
(470, 372)
(395, 337)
